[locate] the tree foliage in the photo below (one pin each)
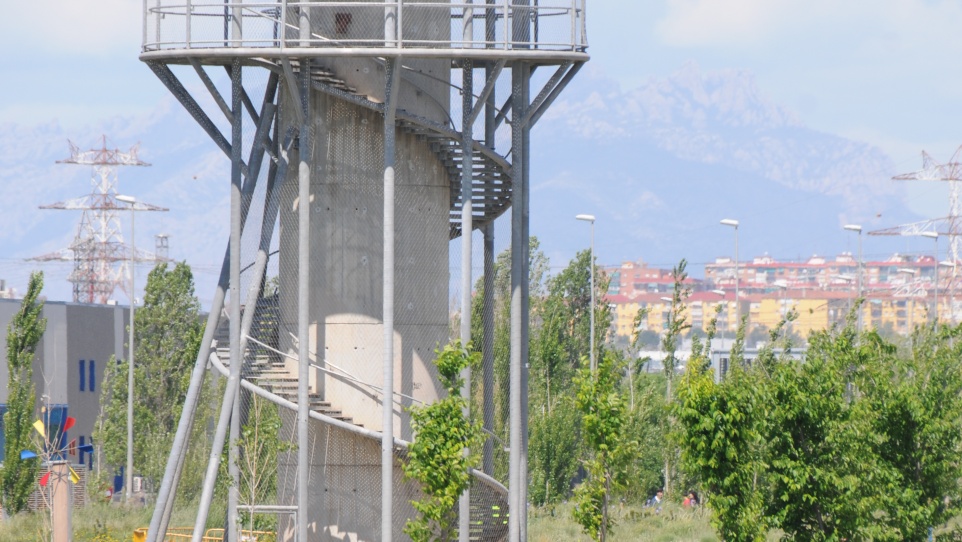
(560, 342)
(24, 332)
(859, 441)
(436, 458)
(167, 335)
(604, 416)
(501, 349)
(260, 447)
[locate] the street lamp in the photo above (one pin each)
(738, 309)
(857, 228)
(591, 266)
(128, 482)
(935, 236)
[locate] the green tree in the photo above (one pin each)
(676, 326)
(559, 344)
(260, 446)
(554, 451)
(23, 334)
(917, 398)
(722, 427)
(501, 313)
(604, 418)
(168, 331)
(860, 441)
(647, 413)
(436, 459)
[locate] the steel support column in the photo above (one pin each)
(236, 359)
(487, 348)
(387, 431)
(487, 351)
(467, 229)
(305, 152)
(524, 191)
(519, 276)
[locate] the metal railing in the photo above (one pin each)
(501, 25)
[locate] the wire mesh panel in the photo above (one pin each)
(553, 25)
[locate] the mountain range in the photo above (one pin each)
(659, 165)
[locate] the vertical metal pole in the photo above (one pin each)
(487, 318)
(591, 267)
(237, 24)
(519, 272)
(738, 306)
(507, 23)
(304, 33)
(189, 9)
(399, 31)
(467, 230)
(233, 494)
(521, 163)
(387, 403)
(525, 298)
(283, 25)
(487, 350)
(129, 478)
(490, 26)
(858, 315)
(305, 152)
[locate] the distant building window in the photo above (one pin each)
(92, 384)
(83, 373)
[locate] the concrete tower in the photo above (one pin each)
(361, 163)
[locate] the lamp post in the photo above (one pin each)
(935, 237)
(858, 316)
(591, 267)
(738, 309)
(129, 474)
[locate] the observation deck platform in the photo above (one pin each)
(551, 32)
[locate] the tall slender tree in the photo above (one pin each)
(23, 334)
(168, 336)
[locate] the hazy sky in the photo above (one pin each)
(880, 71)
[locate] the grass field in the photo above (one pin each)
(94, 523)
(674, 523)
(106, 523)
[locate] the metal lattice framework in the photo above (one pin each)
(334, 110)
(98, 251)
(949, 226)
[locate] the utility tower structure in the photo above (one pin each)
(380, 133)
(100, 256)
(949, 226)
